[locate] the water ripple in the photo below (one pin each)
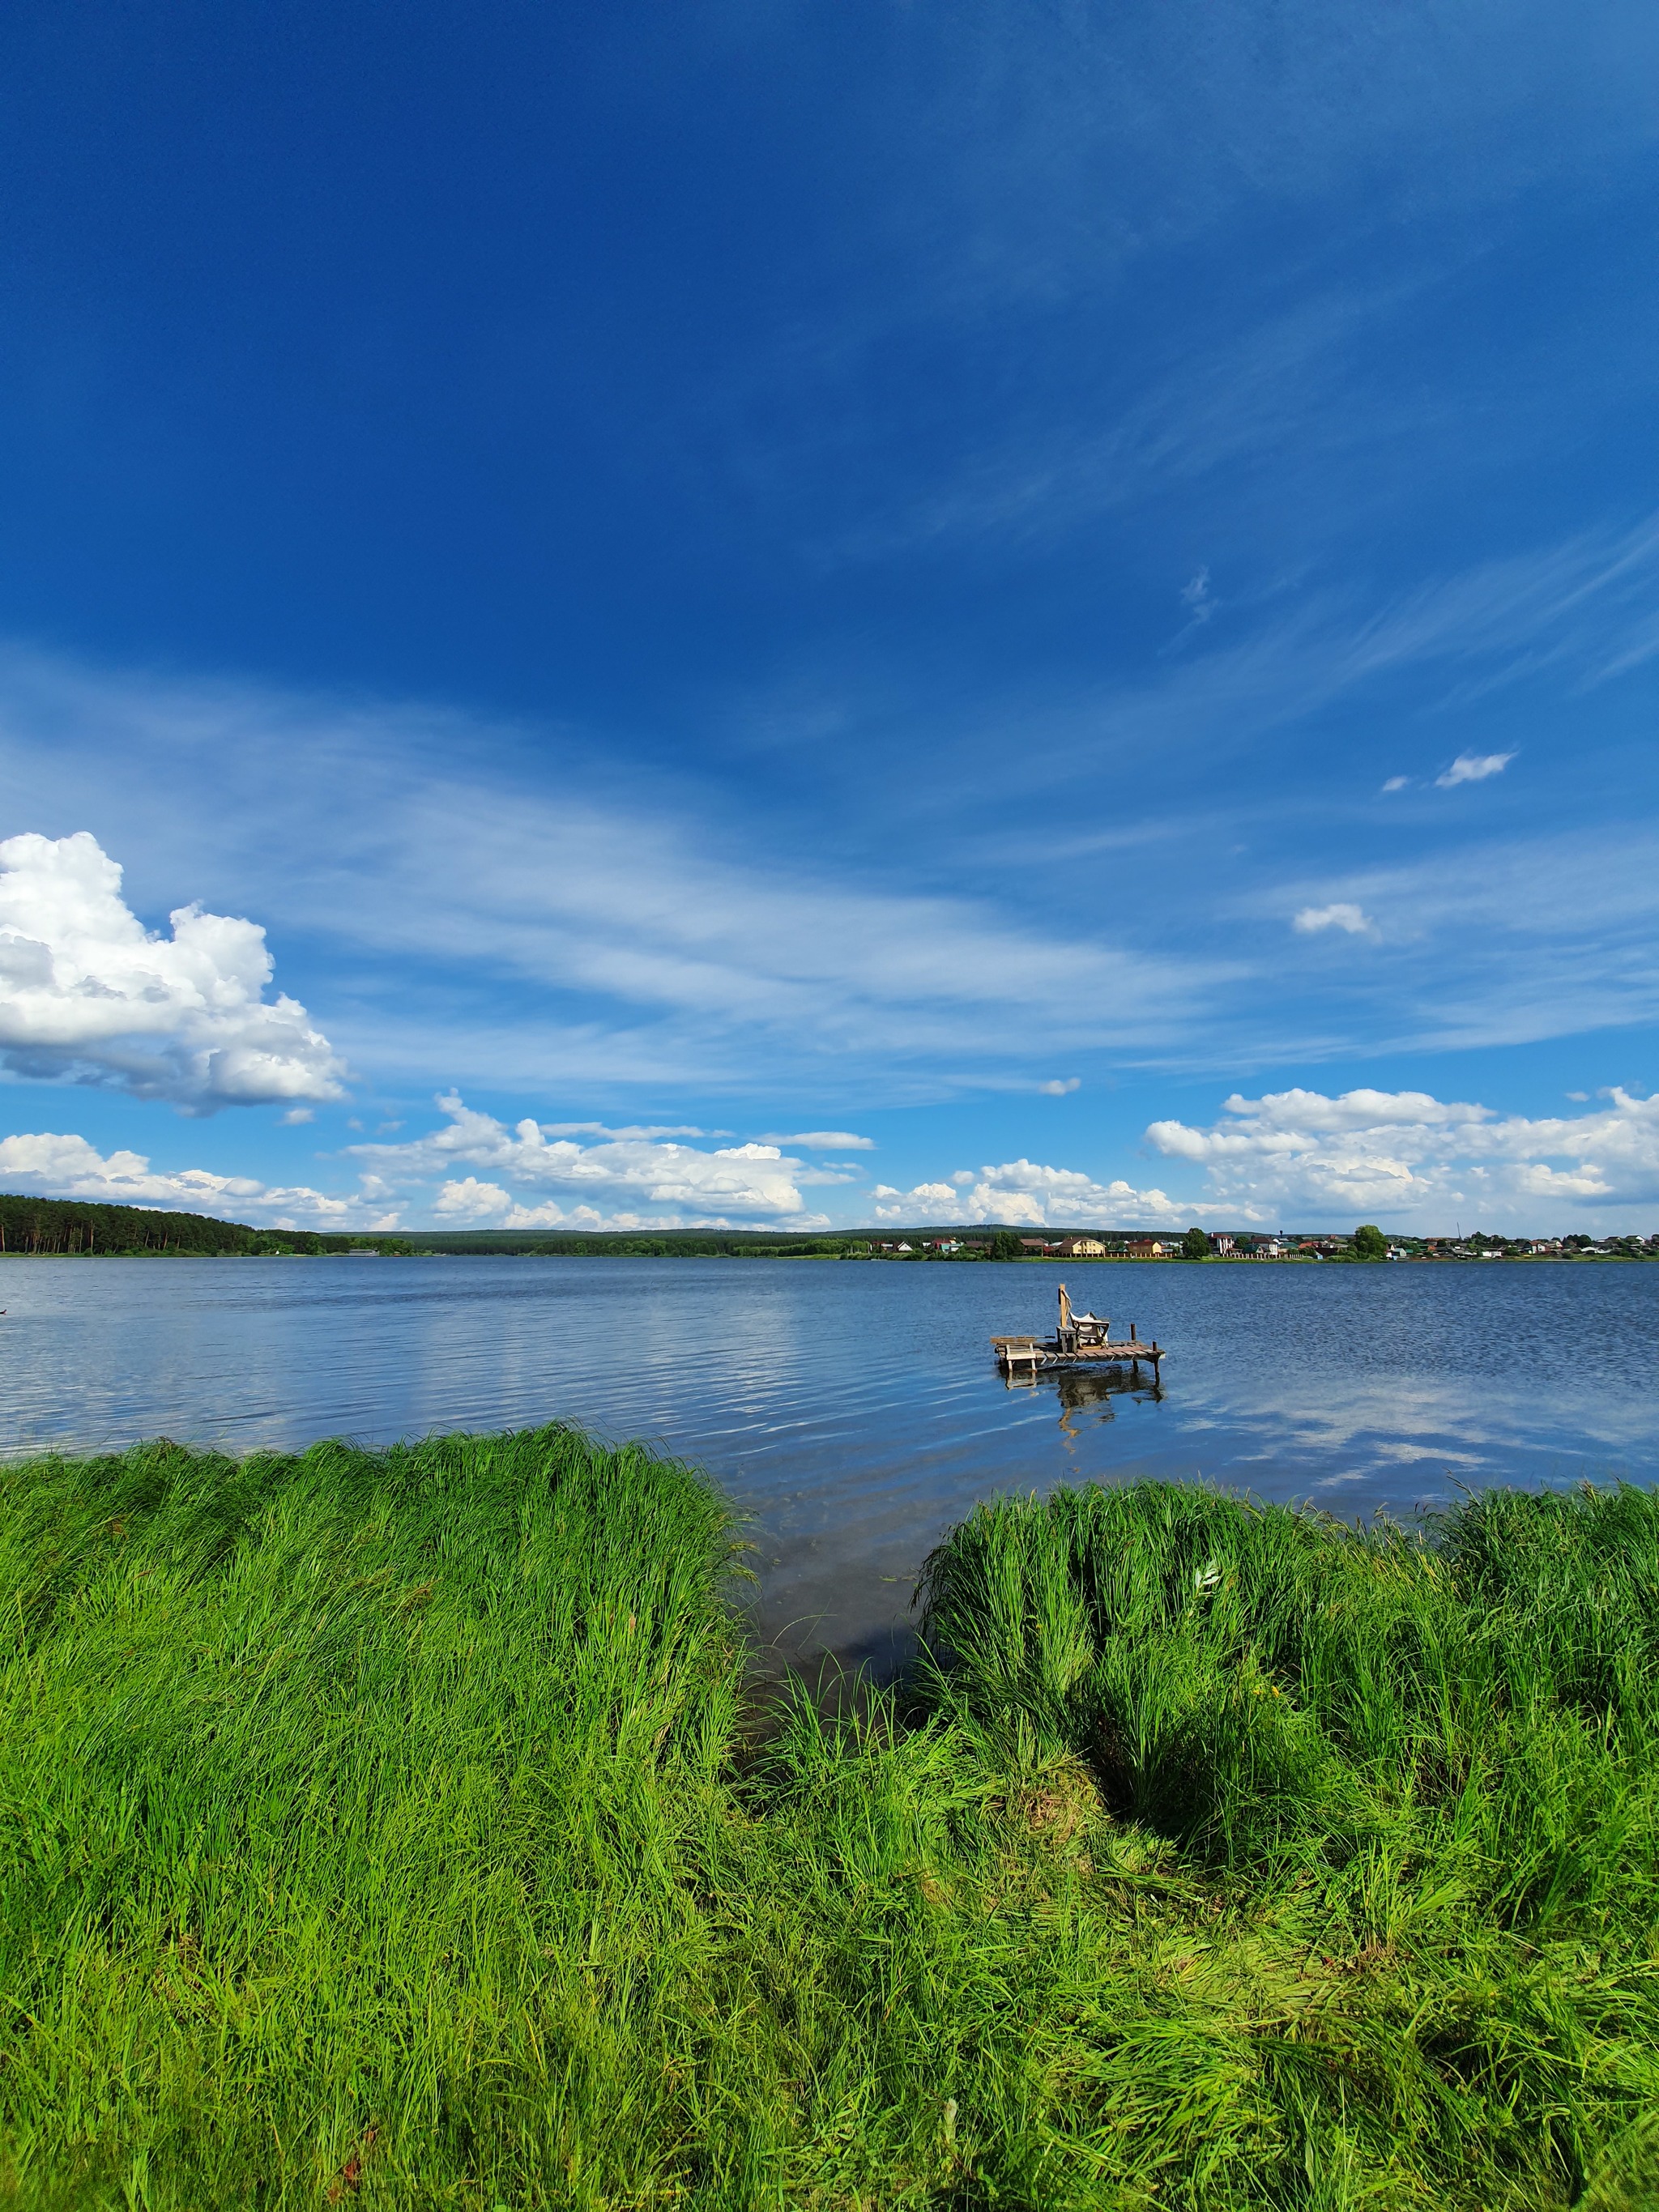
(854, 1411)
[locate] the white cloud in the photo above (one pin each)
(599, 1129)
(1519, 940)
(89, 994)
(1197, 598)
(1061, 1087)
(63, 1166)
(1022, 1191)
(622, 1181)
(1420, 1161)
(679, 1183)
(520, 937)
(825, 1140)
(1396, 783)
(1342, 913)
(472, 1200)
(635, 939)
(1474, 767)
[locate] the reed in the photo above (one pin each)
(392, 1828)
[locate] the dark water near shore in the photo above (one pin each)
(854, 1409)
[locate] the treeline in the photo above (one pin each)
(699, 1244)
(67, 1226)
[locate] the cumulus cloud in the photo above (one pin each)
(1418, 1159)
(89, 995)
(1342, 913)
(1025, 1191)
(64, 1166)
(1474, 767)
(469, 1199)
(678, 1182)
(1061, 1087)
(1037, 1196)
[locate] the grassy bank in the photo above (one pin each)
(388, 1828)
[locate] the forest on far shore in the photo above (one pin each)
(69, 1227)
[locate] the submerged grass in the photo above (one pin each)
(390, 1828)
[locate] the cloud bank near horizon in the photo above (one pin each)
(1295, 1158)
(535, 1179)
(1409, 1158)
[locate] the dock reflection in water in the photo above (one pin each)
(1079, 1391)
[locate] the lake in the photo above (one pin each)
(854, 1409)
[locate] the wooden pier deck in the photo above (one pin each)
(1080, 1340)
(1048, 1352)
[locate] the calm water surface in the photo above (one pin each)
(854, 1410)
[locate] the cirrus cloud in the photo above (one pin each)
(826, 1140)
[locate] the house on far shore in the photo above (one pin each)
(1082, 1248)
(1144, 1247)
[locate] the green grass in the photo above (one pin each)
(394, 1829)
(1423, 1776)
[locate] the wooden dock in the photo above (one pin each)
(1080, 1340)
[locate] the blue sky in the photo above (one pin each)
(1070, 593)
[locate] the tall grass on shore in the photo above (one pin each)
(1426, 1763)
(392, 1829)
